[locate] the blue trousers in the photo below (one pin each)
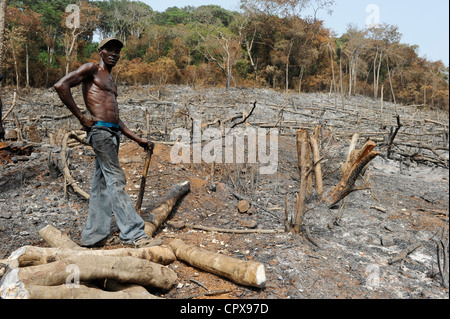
(108, 194)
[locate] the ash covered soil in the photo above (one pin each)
(345, 258)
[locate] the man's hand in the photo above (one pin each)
(147, 145)
(86, 122)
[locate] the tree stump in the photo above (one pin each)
(356, 161)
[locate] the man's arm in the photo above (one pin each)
(128, 133)
(71, 80)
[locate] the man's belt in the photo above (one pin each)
(112, 126)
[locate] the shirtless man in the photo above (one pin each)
(104, 130)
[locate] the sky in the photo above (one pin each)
(424, 23)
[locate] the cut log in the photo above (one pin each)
(86, 268)
(163, 210)
(247, 273)
(32, 256)
(112, 285)
(356, 161)
(55, 238)
(78, 292)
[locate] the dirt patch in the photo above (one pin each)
(407, 204)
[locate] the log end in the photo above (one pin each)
(260, 276)
(11, 287)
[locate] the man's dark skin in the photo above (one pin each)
(99, 92)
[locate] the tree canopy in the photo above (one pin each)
(267, 43)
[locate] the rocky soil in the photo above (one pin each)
(349, 250)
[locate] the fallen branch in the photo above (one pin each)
(404, 253)
(442, 261)
(246, 118)
(235, 231)
(247, 273)
(12, 107)
(68, 177)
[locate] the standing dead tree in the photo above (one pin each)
(356, 161)
(309, 161)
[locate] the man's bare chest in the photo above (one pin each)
(104, 82)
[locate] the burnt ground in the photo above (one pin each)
(407, 203)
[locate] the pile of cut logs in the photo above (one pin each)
(69, 271)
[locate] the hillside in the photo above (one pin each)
(345, 251)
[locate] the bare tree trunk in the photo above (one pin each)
(27, 68)
(390, 82)
(340, 78)
(332, 70)
(3, 6)
(2, 130)
(69, 51)
(378, 71)
(375, 88)
(16, 68)
(304, 164)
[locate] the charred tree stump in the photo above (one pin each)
(314, 142)
(356, 161)
(247, 273)
(304, 164)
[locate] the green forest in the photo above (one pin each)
(267, 43)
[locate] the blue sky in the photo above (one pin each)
(425, 23)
